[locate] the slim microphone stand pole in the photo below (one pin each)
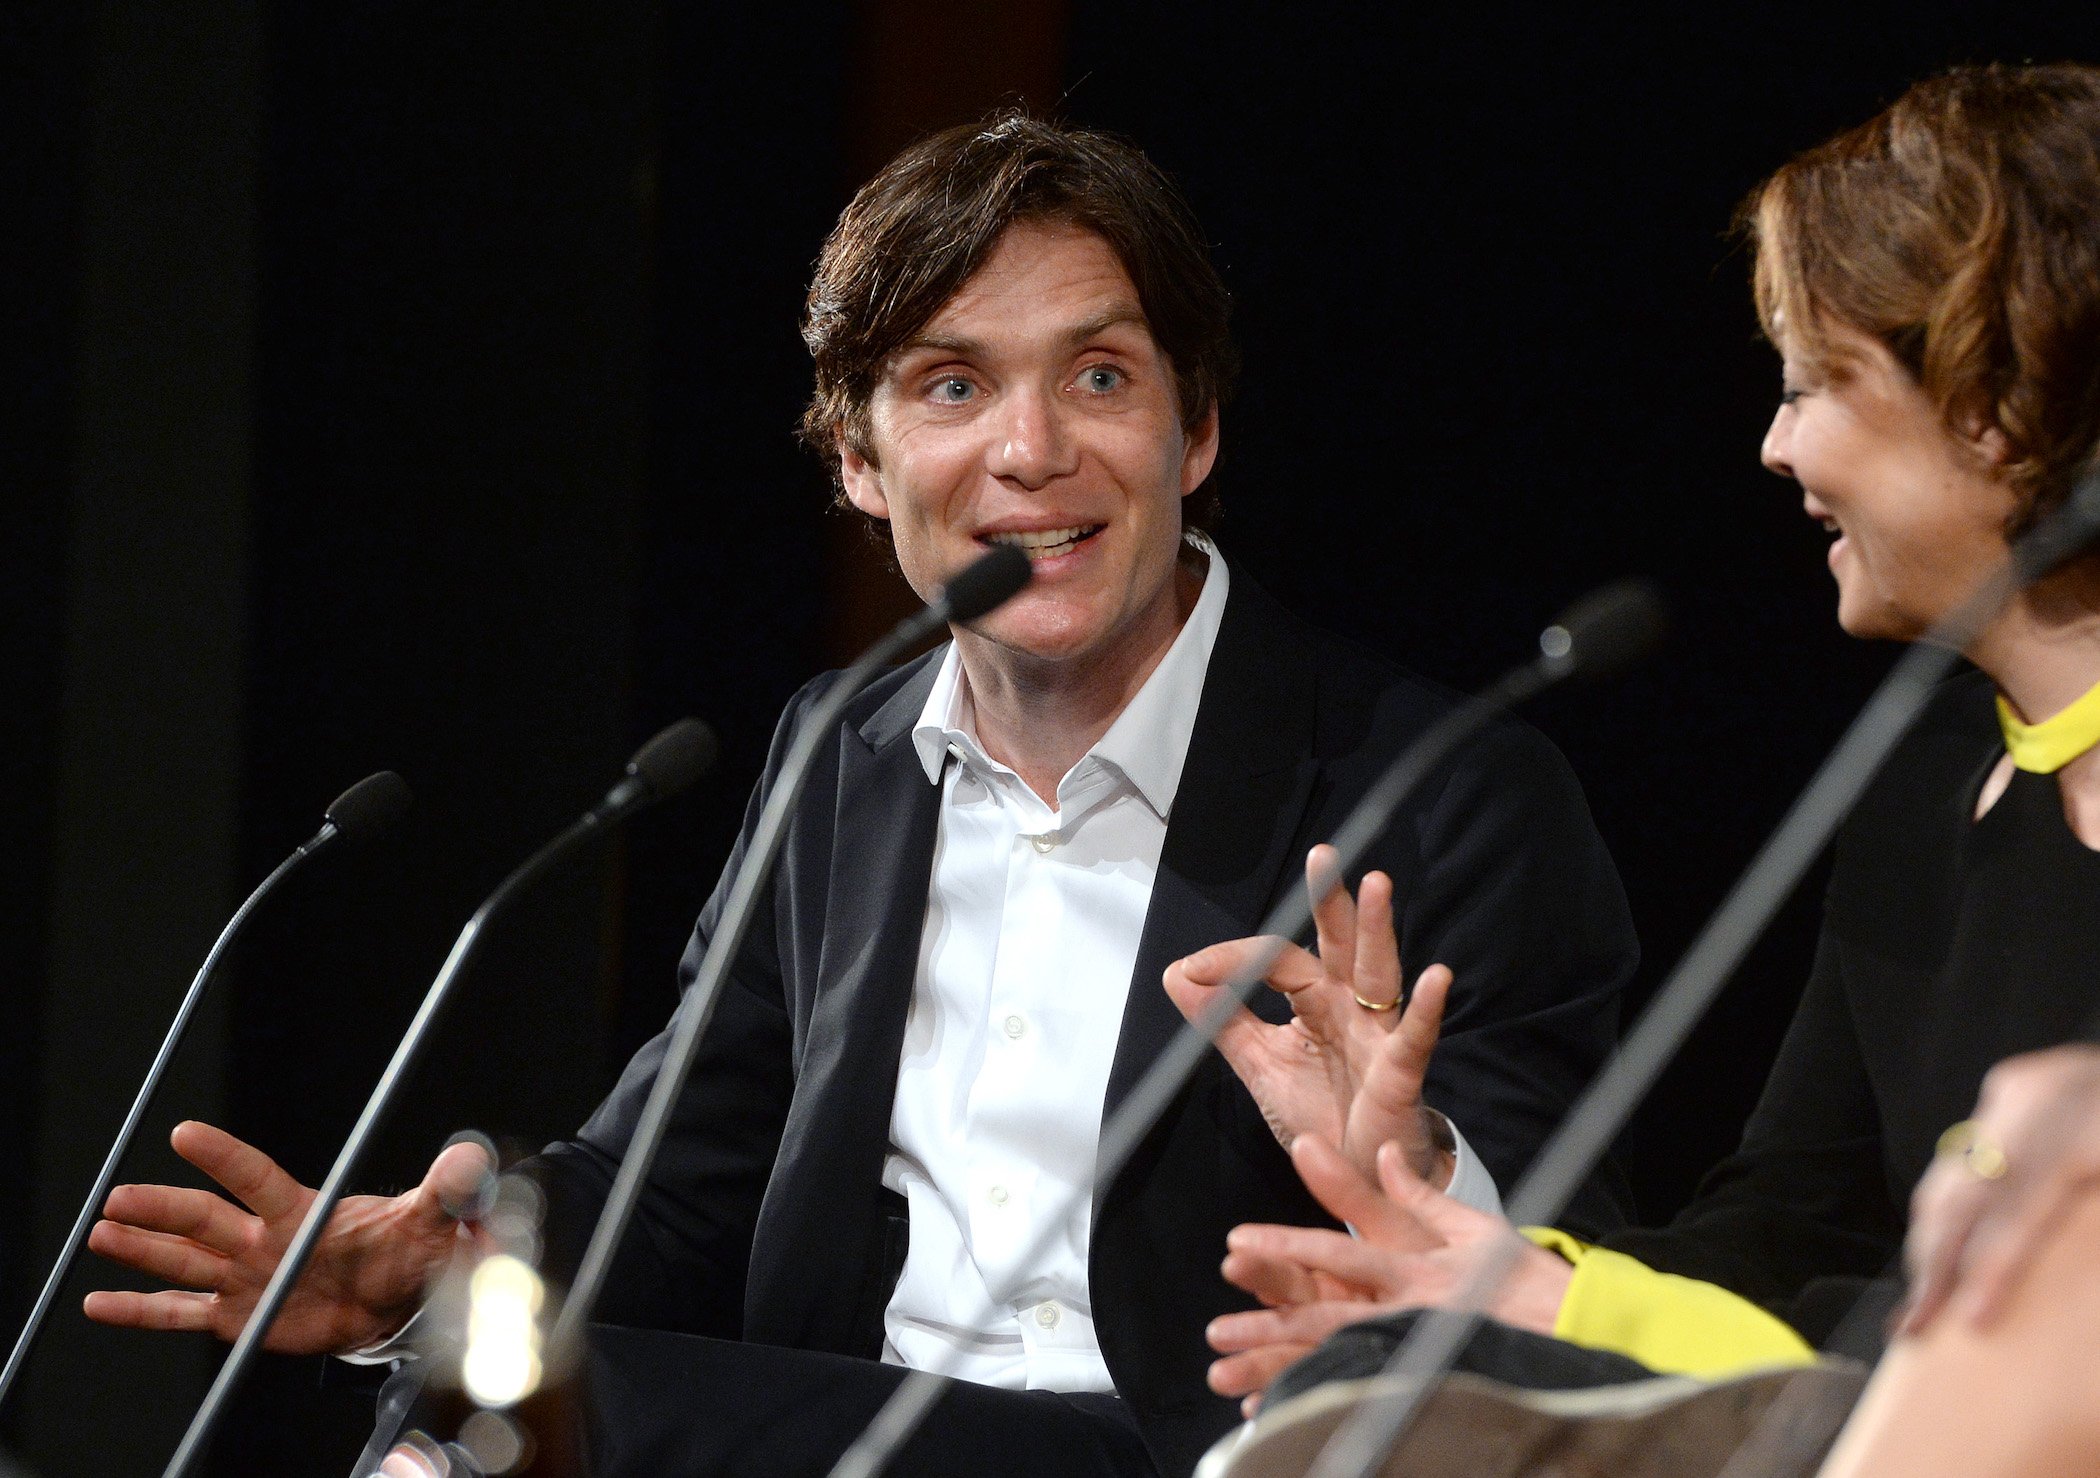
(698, 1007)
(915, 1396)
(1431, 1347)
(303, 1242)
(85, 1222)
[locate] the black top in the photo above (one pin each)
(1948, 944)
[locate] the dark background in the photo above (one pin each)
(410, 385)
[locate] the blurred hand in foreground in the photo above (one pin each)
(366, 1276)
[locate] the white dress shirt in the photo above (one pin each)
(1033, 918)
(1032, 924)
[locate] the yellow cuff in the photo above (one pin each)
(1675, 1325)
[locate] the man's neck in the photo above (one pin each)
(1039, 718)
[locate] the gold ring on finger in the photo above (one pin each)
(1376, 1005)
(1966, 1145)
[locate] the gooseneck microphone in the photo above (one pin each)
(1360, 1444)
(360, 813)
(981, 587)
(1601, 634)
(664, 766)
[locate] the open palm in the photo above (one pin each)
(366, 1276)
(1349, 1064)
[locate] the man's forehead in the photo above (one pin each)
(1053, 292)
(1043, 279)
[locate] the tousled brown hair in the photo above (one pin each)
(1960, 228)
(917, 232)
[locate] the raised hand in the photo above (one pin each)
(364, 1280)
(1414, 1248)
(1983, 1212)
(1348, 1066)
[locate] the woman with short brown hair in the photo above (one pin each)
(1932, 281)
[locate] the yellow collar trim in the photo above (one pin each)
(2046, 747)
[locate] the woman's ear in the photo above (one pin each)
(1986, 441)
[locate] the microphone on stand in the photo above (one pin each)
(1363, 1442)
(979, 588)
(1604, 632)
(667, 764)
(360, 813)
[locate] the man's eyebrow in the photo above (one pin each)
(1105, 320)
(944, 343)
(964, 347)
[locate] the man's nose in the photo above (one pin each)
(1034, 442)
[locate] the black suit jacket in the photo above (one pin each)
(765, 1217)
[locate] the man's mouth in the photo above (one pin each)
(1040, 544)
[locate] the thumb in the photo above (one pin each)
(1454, 1221)
(1334, 1181)
(461, 1182)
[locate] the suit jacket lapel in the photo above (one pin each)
(837, 1130)
(1231, 840)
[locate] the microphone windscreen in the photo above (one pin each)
(985, 584)
(675, 758)
(371, 806)
(1608, 629)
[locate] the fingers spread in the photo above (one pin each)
(1215, 964)
(1250, 1371)
(1449, 1220)
(252, 1176)
(1392, 1084)
(157, 1254)
(167, 1310)
(1348, 1198)
(1334, 914)
(1377, 946)
(1334, 1182)
(1272, 1280)
(1305, 1324)
(182, 1212)
(1317, 1250)
(1423, 1020)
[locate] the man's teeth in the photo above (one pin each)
(1045, 543)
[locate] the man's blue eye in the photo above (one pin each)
(954, 390)
(1102, 378)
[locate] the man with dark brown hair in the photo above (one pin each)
(1019, 338)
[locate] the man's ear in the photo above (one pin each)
(862, 482)
(1201, 452)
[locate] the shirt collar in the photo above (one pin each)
(1149, 740)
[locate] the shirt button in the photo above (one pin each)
(996, 1195)
(1045, 841)
(1015, 1026)
(1046, 1315)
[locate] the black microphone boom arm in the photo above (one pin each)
(625, 801)
(365, 809)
